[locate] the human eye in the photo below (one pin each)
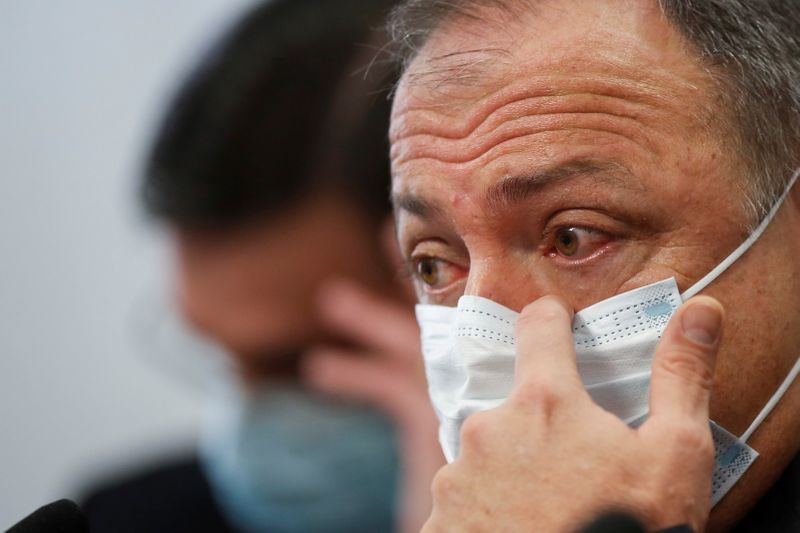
(576, 243)
(434, 274)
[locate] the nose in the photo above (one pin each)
(509, 281)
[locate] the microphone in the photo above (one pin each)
(62, 516)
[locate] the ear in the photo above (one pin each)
(394, 258)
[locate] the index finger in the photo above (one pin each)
(545, 350)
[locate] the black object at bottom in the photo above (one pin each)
(619, 522)
(62, 516)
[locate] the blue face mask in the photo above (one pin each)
(285, 460)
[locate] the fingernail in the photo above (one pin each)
(702, 322)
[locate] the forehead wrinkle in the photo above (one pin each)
(526, 105)
(489, 150)
(641, 75)
(427, 118)
(513, 190)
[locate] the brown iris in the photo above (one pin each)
(428, 271)
(567, 241)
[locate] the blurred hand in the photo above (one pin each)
(386, 371)
(549, 459)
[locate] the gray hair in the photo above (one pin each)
(751, 49)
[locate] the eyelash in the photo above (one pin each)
(413, 266)
(547, 246)
(549, 238)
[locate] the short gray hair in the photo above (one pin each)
(751, 49)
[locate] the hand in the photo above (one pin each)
(387, 371)
(549, 459)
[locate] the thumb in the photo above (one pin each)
(683, 365)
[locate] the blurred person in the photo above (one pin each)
(271, 172)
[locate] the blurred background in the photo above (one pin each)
(82, 86)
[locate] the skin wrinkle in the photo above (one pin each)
(662, 256)
(530, 263)
(493, 114)
(652, 83)
(495, 103)
(517, 189)
(406, 198)
(551, 83)
(675, 243)
(525, 106)
(489, 149)
(487, 119)
(554, 84)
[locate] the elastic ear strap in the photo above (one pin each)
(739, 252)
(773, 401)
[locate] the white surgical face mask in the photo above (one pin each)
(469, 354)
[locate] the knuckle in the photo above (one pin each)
(541, 388)
(474, 431)
(693, 438)
(443, 485)
(688, 364)
(538, 393)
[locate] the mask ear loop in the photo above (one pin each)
(722, 267)
(740, 251)
(787, 382)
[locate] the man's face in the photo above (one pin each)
(252, 288)
(578, 150)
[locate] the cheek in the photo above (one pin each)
(761, 336)
(621, 265)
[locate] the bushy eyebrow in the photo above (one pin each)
(416, 206)
(513, 190)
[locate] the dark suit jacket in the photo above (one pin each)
(167, 498)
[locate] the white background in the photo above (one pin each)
(82, 84)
